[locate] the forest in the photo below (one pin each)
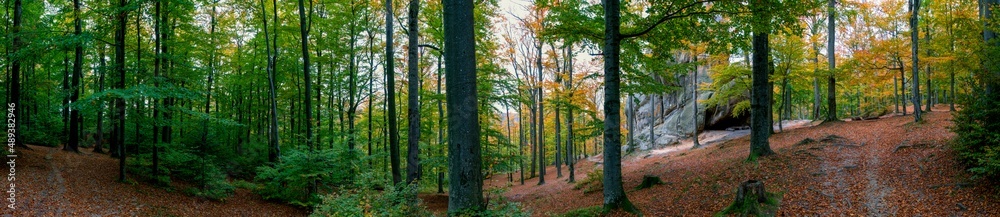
(501, 107)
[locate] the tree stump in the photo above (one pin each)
(649, 181)
(752, 199)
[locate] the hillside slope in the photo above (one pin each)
(884, 167)
(52, 182)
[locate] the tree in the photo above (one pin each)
(464, 160)
(614, 193)
(120, 101)
(304, 32)
(570, 152)
(760, 97)
(831, 31)
(74, 124)
(99, 143)
(914, 32)
(390, 95)
(274, 147)
(14, 92)
(413, 105)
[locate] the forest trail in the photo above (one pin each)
(52, 182)
(884, 167)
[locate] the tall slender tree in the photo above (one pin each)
(390, 95)
(120, 101)
(831, 85)
(274, 150)
(14, 91)
(74, 124)
(413, 105)
(914, 37)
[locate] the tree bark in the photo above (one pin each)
(831, 97)
(614, 193)
(760, 97)
(390, 89)
(14, 91)
(914, 33)
(464, 160)
(570, 152)
(120, 102)
(100, 105)
(541, 116)
(413, 103)
(274, 150)
(74, 131)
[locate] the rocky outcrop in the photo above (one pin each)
(659, 120)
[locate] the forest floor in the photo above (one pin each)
(52, 182)
(883, 167)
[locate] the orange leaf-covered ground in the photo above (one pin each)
(861, 174)
(51, 182)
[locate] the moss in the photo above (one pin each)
(591, 211)
(750, 206)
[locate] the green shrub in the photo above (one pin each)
(289, 180)
(246, 185)
(593, 182)
(179, 162)
(977, 141)
(365, 199)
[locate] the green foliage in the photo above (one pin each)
(590, 211)
(44, 129)
(366, 199)
(731, 83)
(179, 162)
(977, 126)
(593, 182)
(497, 206)
(246, 185)
(289, 179)
(977, 140)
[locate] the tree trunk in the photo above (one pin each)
(902, 86)
(464, 160)
(100, 105)
(66, 93)
(541, 117)
(274, 150)
(571, 156)
(817, 104)
(694, 103)
(915, 31)
(390, 90)
(760, 97)
(120, 102)
(14, 93)
(352, 87)
(614, 193)
(831, 97)
(930, 90)
(440, 122)
(413, 103)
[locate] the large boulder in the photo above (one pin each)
(671, 116)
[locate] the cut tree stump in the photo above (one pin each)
(649, 181)
(752, 199)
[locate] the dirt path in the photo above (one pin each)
(55, 177)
